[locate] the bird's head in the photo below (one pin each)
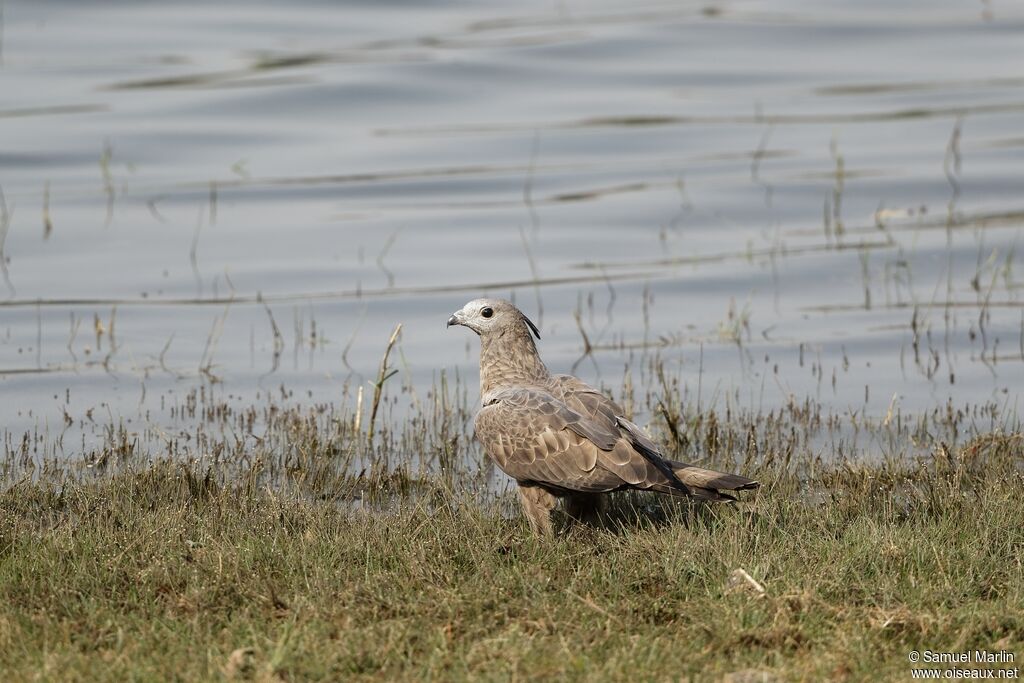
(490, 316)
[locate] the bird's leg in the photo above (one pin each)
(537, 504)
(585, 508)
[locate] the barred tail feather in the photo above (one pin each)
(700, 478)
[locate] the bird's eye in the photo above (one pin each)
(487, 312)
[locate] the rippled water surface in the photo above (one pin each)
(779, 200)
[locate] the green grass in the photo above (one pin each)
(169, 571)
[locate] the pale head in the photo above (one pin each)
(489, 316)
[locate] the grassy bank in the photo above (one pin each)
(173, 570)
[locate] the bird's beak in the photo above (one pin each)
(456, 319)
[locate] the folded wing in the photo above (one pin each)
(697, 481)
(535, 437)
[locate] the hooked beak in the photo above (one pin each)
(456, 319)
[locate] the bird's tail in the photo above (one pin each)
(699, 482)
(706, 484)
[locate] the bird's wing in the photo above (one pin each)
(587, 400)
(584, 398)
(535, 437)
(697, 481)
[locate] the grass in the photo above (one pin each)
(240, 568)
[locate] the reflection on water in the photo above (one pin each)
(822, 200)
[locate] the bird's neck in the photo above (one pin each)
(510, 359)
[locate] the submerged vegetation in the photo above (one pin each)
(278, 543)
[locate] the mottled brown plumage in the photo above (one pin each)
(557, 436)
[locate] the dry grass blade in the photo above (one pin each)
(383, 375)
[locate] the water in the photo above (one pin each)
(781, 200)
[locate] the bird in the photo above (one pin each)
(560, 438)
